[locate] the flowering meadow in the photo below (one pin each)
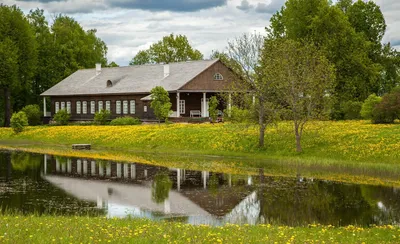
(31, 229)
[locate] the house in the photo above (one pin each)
(125, 91)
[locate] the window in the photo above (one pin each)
(100, 107)
(57, 107)
(145, 109)
(84, 107)
(118, 107)
(62, 105)
(133, 107)
(108, 106)
(182, 106)
(69, 107)
(78, 107)
(218, 76)
(125, 104)
(92, 107)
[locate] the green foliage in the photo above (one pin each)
(168, 50)
(62, 117)
(388, 110)
(160, 103)
(212, 109)
(112, 64)
(351, 110)
(349, 34)
(18, 56)
(33, 113)
(102, 117)
(300, 77)
(161, 186)
(22, 161)
(126, 121)
(239, 115)
(369, 105)
(19, 121)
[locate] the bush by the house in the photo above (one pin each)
(125, 121)
(388, 110)
(62, 117)
(33, 114)
(18, 121)
(351, 110)
(102, 117)
(369, 105)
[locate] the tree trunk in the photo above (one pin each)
(261, 124)
(7, 110)
(298, 139)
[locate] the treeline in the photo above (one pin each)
(35, 55)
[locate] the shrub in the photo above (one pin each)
(351, 110)
(62, 117)
(161, 103)
(369, 105)
(212, 109)
(33, 114)
(125, 121)
(18, 121)
(388, 109)
(102, 117)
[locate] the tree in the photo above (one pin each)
(19, 121)
(301, 77)
(160, 103)
(369, 106)
(243, 58)
(350, 36)
(160, 187)
(212, 108)
(170, 49)
(17, 54)
(112, 64)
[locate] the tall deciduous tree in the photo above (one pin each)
(17, 54)
(243, 57)
(301, 77)
(168, 50)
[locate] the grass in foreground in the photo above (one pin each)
(20, 229)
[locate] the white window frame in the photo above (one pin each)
(125, 105)
(118, 107)
(100, 105)
(145, 108)
(62, 105)
(56, 107)
(92, 107)
(78, 107)
(108, 106)
(182, 107)
(132, 106)
(84, 107)
(218, 76)
(69, 107)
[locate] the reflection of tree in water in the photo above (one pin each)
(23, 161)
(213, 184)
(161, 186)
(292, 202)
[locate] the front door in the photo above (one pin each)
(202, 107)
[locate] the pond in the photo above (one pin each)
(46, 184)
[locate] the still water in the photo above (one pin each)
(45, 184)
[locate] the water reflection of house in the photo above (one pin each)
(200, 197)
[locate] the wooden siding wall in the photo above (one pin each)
(139, 113)
(205, 80)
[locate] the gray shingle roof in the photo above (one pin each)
(130, 79)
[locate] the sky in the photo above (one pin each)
(128, 26)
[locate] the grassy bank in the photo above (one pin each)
(355, 141)
(350, 151)
(19, 229)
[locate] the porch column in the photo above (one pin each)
(204, 104)
(44, 107)
(178, 179)
(178, 109)
(45, 164)
(229, 104)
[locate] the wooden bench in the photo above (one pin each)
(195, 113)
(81, 146)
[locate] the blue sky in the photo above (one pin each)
(128, 26)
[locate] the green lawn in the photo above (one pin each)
(20, 229)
